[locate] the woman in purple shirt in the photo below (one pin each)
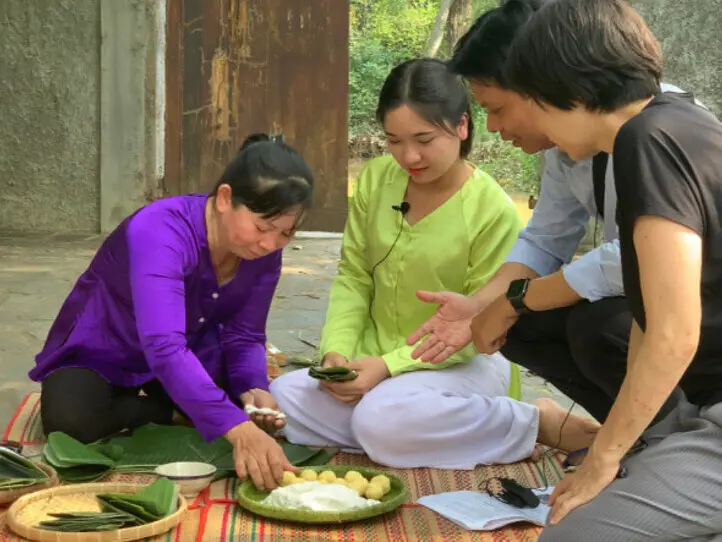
(174, 304)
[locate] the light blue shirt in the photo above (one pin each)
(558, 224)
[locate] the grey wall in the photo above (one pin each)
(82, 99)
(49, 115)
(691, 35)
(132, 106)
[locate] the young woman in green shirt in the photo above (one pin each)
(423, 218)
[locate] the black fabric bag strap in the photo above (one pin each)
(599, 174)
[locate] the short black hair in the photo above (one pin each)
(433, 91)
(599, 54)
(269, 178)
(481, 53)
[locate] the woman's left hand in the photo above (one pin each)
(580, 487)
(371, 372)
(263, 399)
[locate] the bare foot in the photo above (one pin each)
(537, 454)
(576, 433)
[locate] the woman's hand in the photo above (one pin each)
(333, 359)
(263, 399)
(371, 372)
(258, 455)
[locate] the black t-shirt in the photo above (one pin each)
(668, 163)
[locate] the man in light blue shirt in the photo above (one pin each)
(563, 318)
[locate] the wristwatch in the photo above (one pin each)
(515, 294)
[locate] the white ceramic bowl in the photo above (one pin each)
(191, 477)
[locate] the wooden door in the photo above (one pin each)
(235, 67)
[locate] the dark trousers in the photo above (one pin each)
(82, 404)
(582, 350)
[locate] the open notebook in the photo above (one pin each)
(480, 512)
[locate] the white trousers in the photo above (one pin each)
(453, 418)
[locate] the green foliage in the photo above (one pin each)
(384, 33)
(387, 32)
(370, 63)
(515, 170)
(480, 6)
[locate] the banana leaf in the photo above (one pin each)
(153, 445)
(110, 504)
(13, 466)
(332, 374)
(303, 361)
(87, 522)
(120, 510)
(15, 483)
(153, 502)
(16, 471)
(74, 461)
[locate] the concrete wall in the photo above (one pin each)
(49, 115)
(691, 35)
(132, 106)
(81, 112)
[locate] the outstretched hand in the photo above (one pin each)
(448, 330)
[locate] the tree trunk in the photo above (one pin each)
(459, 22)
(436, 37)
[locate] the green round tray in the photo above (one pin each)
(249, 497)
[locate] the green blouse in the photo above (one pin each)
(458, 247)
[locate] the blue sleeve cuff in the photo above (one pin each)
(597, 274)
(526, 253)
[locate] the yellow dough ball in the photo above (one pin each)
(340, 482)
(326, 477)
(309, 475)
(288, 479)
(374, 491)
(353, 475)
(382, 481)
(359, 485)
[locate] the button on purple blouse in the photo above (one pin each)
(150, 307)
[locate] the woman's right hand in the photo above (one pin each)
(333, 359)
(258, 455)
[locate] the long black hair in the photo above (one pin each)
(433, 91)
(268, 177)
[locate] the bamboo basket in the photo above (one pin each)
(31, 509)
(11, 495)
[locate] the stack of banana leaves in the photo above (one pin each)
(152, 445)
(17, 471)
(120, 510)
(332, 374)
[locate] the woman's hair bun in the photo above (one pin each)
(253, 139)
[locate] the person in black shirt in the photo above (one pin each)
(592, 68)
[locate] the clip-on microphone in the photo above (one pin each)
(512, 493)
(403, 207)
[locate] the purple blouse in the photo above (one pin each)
(149, 306)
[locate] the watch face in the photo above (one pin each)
(516, 288)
